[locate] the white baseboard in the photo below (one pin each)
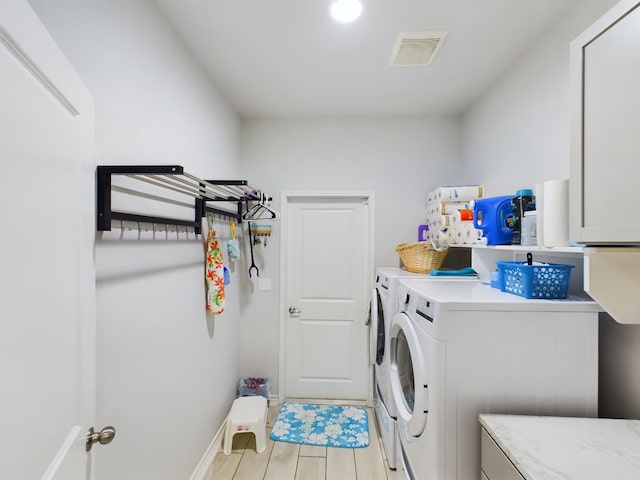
(209, 455)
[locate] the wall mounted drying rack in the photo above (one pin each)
(172, 178)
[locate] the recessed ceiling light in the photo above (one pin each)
(346, 10)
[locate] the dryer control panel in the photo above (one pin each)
(425, 308)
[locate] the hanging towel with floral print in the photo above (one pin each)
(214, 272)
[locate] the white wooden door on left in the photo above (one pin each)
(47, 299)
(328, 258)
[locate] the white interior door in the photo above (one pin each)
(47, 299)
(328, 272)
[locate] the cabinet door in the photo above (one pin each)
(605, 143)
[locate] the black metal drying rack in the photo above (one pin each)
(173, 178)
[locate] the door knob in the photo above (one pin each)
(103, 437)
(294, 311)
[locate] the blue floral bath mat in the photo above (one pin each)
(323, 425)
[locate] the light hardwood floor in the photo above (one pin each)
(288, 461)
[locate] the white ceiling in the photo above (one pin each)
(284, 58)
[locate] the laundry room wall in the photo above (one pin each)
(400, 159)
(166, 373)
(517, 136)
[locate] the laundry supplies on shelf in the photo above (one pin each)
(493, 216)
(450, 215)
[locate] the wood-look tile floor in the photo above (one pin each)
(288, 461)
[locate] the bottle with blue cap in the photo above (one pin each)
(523, 201)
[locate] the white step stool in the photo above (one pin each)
(248, 414)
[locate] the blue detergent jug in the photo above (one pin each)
(494, 217)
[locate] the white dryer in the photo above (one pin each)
(384, 305)
(383, 308)
(458, 349)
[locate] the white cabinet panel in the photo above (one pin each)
(605, 146)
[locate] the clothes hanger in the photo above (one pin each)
(253, 263)
(261, 211)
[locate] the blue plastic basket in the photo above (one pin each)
(547, 281)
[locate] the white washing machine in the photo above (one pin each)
(383, 308)
(461, 349)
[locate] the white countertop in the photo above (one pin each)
(458, 294)
(564, 448)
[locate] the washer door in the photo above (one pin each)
(408, 374)
(373, 327)
(377, 331)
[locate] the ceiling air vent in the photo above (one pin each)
(417, 47)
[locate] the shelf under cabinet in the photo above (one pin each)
(484, 258)
(524, 248)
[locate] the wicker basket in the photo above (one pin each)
(419, 257)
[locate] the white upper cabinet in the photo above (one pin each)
(605, 144)
(605, 158)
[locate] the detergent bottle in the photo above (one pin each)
(494, 217)
(524, 201)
